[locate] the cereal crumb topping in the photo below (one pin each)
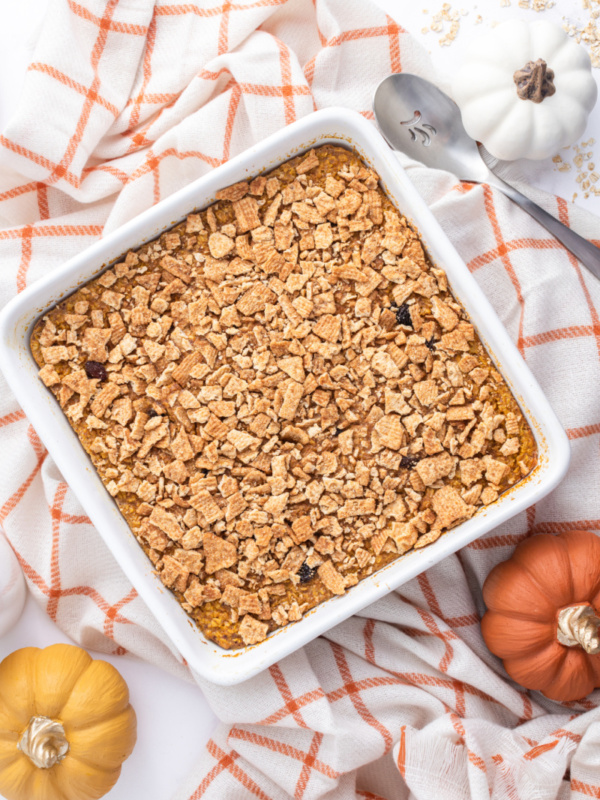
(282, 395)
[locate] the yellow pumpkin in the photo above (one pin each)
(66, 725)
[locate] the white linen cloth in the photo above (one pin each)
(125, 102)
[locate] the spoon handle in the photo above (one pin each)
(585, 251)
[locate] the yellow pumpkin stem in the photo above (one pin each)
(579, 625)
(44, 742)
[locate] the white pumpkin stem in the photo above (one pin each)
(534, 81)
(44, 742)
(579, 625)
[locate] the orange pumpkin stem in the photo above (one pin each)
(579, 626)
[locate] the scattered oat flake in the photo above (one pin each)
(582, 159)
(446, 22)
(588, 32)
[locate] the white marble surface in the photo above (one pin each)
(174, 718)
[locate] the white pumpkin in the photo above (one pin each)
(525, 90)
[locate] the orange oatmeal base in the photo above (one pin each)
(282, 395)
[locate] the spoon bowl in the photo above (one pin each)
(422, 121)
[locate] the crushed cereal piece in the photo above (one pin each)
(331, 578)
(220, 245)
(246, 214)
(166, 522)
(432, 469)
(49, 375)
(252, 630)
(219, 554)
(449, 506)
(404, 535)
(307, 163)
(233, 193)
(103, 399)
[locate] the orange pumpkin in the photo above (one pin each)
(542, 614)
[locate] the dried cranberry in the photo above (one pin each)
(306, 573)
(408, 462)
(94, 369)
(403, 315)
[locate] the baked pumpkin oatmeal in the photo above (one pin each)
(282, 395)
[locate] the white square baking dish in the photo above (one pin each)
(208, 660)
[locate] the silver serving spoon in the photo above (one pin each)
(420, 120)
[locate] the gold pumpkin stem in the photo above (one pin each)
(534, 81)
(579, 626)
(44, 742)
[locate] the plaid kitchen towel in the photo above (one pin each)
(125, 102)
